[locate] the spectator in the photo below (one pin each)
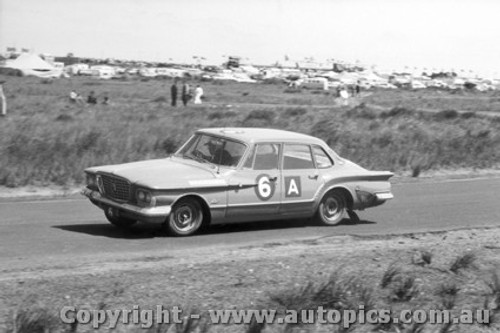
(74, 97)
(173, 93)
(352, 90)
(344, 95)
(358, 88)
(91, 99)
(198, 94)
(185, 93)
(3, 101)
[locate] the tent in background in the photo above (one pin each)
(31, 64)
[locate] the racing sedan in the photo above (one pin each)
(231, 175)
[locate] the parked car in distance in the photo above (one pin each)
(230, 175)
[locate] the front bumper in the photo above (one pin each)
(144, 214)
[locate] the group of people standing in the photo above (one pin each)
(74, 97)
(186, 94)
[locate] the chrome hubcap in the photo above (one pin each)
(332, 208)
(185, 218)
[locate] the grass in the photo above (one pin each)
(448, 293)
(494, 285)
(404, 289)
(47, 140)
(422, 258)
(438, 99)
(463, 262)
(330, 294)
(34, 319)
(389, 274)
(339, 291)
(343, 286)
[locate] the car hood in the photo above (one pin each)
(165, 173)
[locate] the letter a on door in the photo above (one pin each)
(293, 187)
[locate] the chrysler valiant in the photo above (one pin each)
(229, 175)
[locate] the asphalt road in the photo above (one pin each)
(41, 231)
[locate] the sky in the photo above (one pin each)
(392, 34)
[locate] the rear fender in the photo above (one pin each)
(354, 187)
(346, 190)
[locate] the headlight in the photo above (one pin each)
(91, 180)
(143, 196)
(140, 195)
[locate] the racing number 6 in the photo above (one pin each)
(265, 187)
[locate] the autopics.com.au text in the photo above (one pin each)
(146, 318)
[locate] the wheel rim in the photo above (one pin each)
(185, 218)
(333, 208)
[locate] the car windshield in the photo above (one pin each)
(216, 150)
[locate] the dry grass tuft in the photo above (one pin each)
(404, 288)
(390, 273)
(33, 319)
(463, 262)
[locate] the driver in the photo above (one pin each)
(218, 154)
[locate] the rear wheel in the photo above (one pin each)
(120, 222)
(186, 218)
(332, 208)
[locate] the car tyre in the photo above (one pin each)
(186, 218)
(332, 208)
(120, 222)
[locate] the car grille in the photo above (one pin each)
(115, 188)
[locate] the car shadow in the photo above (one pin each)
(255, 226)
(275, 224)
(139, 231)
(145, 231)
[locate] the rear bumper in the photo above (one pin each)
(144, 214)
(383, 196)
(368, 199)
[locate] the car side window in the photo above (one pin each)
(266, 156)
(323, 161)
(297, 157)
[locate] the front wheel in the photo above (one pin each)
(186, 218)
(332, 208)
(120, 222)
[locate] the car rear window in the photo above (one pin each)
(323, 161)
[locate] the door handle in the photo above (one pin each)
(313, 177)
(273, 179)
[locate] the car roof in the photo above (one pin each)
(255, 135)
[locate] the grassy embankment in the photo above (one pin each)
(46, 140)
